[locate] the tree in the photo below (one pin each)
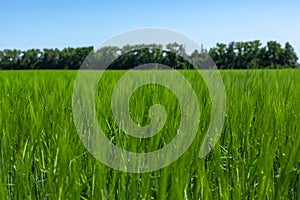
(274, 53)
(235, 55)
(10, 59)
(289, 56)
(230, 60)
(31, 59)
(251, 54)
(51, 59)
(218, 54)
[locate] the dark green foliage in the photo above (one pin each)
(235, 55)
(68, 58)
(250, 55)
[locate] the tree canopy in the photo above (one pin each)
(235, 55)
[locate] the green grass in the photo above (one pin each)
(256, 157)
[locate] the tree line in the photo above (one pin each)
(235, 55)
(249, 55)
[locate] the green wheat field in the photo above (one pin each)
(256, 157)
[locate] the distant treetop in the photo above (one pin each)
(235, 55)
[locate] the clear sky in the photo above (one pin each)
(70, 23)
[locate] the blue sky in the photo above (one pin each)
(64, 23)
